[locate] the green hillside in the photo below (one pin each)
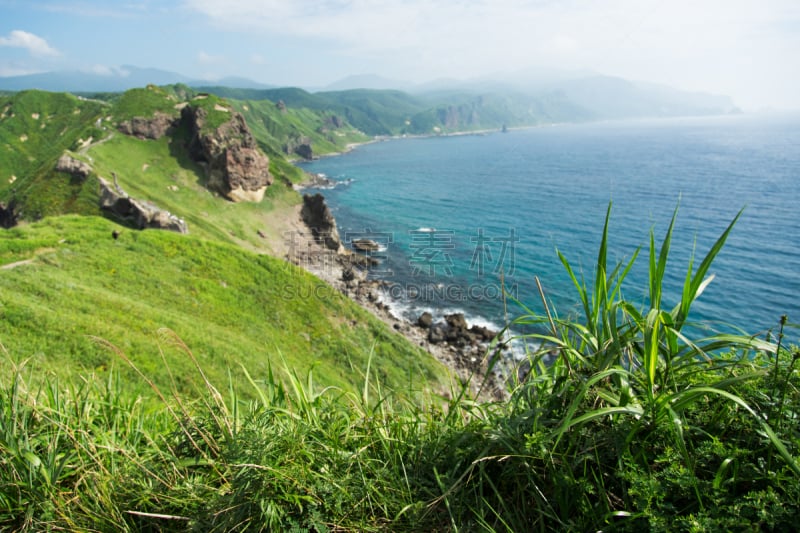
(386, 112)
(156, 381)
(230, 306)
(277, 128)
(35, 129)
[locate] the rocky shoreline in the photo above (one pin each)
(468, 351)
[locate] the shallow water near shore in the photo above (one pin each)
(457, 217)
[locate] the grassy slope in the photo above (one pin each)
(633, 435)
(631, 428)
(273, 128)
(147, 169)
(35, 129)
(230, 306)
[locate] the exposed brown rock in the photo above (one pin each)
(366, 245)
(70, 165)
(483, 333)
(148, 128)
(237, 169)
(141, 214)
(456, 321)
(319, 219)
(425, 320)
(300, 146)
(8, 215)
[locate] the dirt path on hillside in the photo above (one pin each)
(17, 263)
(28, 261)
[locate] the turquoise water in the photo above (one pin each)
(452, 212)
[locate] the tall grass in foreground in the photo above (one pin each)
(634, 425)
(627, 421)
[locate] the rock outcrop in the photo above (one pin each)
(366, 245)
(237, 169)
(8, 216)
(148, 128)
(75, 167)
(455, 331)
(318, 217)
(141, 214)
(300, 146)
(425, 320)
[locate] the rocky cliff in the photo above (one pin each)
(70, 165)
(318, 217)
(141, 214)
(8, 216)
(148, 128)
(237, 169)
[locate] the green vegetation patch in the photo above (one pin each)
(233, 307)
(163, 173)
(639, 423)
(36, 127)
(276, 127)
(145, 103)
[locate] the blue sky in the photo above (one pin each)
(747, 49)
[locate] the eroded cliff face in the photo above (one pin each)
(75, 167)
(237, 169)
(318, 217)
(8, 216)
(148, 128)
(140, 214)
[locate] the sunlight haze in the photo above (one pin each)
(746, 49)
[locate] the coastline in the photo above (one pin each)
(383, 138)
(468, 361)
(466, 356)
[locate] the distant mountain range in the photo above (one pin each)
(382, 106)
(113, 80)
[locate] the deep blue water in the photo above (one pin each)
(520, 195)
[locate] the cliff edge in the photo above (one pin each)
(236, 168)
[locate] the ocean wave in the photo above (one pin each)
(518, 346)
(321, 182)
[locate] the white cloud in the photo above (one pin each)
(35, 45)
(113, 10)
(209, 59)
(12, 70)
(697, 45)
(105, 70)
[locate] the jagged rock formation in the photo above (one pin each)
(366, 245)
(148, 128)
(462, 116)
(319, 219)
(139, 213)
(425, 320)
(455, 331)
(8, 215)
(236, 168)
(300, 146)
(75, 167)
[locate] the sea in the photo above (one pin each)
(468, 223)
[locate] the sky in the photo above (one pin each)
(746, 49)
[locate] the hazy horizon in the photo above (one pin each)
(746, 51)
